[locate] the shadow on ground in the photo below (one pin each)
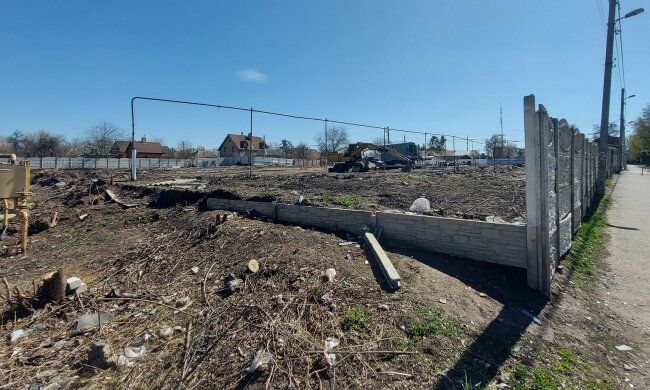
(483, 359)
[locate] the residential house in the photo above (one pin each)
(460, 155)
(144, 149)
(239, 145)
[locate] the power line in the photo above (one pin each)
(620, 38)
(602, 15)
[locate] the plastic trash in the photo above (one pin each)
(260, 361)
(331, 343)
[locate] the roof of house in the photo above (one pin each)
(147, 147)
(238, 139)
(459, 153)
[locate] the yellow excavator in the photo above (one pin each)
(353, 159)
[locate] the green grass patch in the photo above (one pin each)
(435, 322)
(419, 176)
(520, 373)
(588, 246)
(345, 201)
(234, 189)
(543, 380)
(355, 319)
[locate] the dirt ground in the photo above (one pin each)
(469, 191)
(455, 323)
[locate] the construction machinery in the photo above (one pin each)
(354, 160)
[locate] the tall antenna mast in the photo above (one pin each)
(501, 119)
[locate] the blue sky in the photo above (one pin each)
(438, 66)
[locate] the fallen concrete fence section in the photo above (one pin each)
(499, 243)
(387, 268)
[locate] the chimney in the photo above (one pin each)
(144, 140)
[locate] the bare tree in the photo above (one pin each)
(184, 149)
(5, 147)
(16, 140)
(301, 151)
(612, 130)
(335, 139)
(497, 147)
(378, 140)
(43, 144)
(100, 138)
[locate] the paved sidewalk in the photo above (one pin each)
(629, 227)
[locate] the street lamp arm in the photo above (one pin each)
(631, 13)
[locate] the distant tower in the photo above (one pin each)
(501, 119)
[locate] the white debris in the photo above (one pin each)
(260, 361)
(331, 343)
(18, 333)
(420, 206)
(623, 347)
(330, 273)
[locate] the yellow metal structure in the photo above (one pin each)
(14, 186)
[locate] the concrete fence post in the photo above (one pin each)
(540, 197)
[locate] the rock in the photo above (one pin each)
(195, 270)
(45, 374)
(72, 283)
(61, 383)
(101, 355)
(260, 361)
(329, 275)
(420, 206)
(383, 307)
(327, 297)
(183, 303)
(81, 289)
(442, 300)
(629, 367)
(623, 347)
(483, 295)
(165, 333)
(17, 334)
(87, 321)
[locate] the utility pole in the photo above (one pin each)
(604, 115)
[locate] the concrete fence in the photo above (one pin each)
(499, 243)
(159, 163)
(561, 172)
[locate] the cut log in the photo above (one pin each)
(112, 197)
(253, 266)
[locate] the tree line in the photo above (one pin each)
(638, 143)
(96, 141)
